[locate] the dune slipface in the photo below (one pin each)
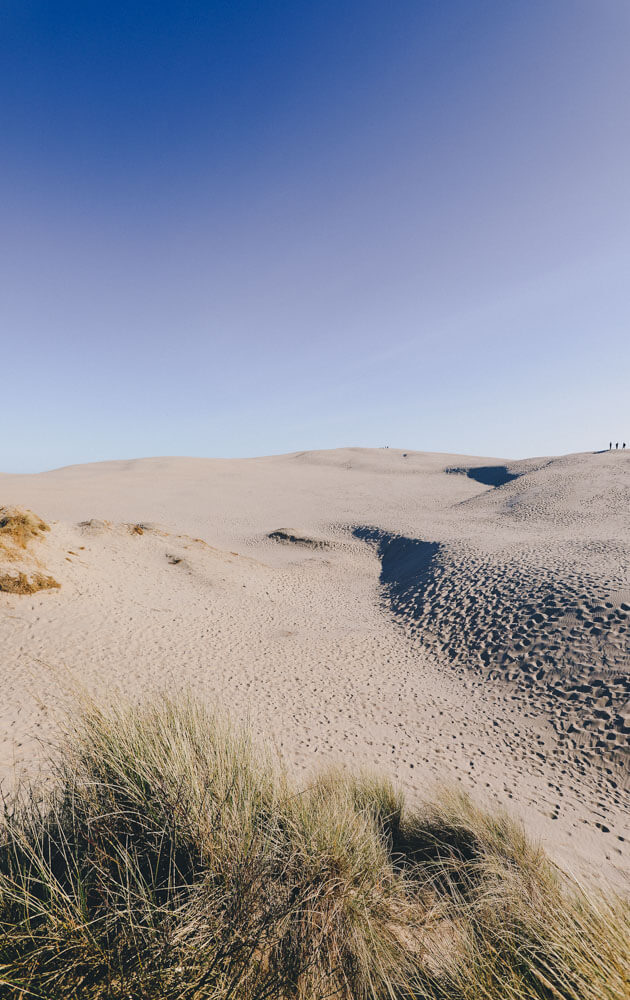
(437, 616)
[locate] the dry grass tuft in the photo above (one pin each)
(19, 527)
(20, 583)
(171, 858)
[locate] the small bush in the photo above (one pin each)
(170, 857)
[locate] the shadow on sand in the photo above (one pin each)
(487, 475)
(405, 562)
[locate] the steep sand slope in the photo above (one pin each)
(435, 615)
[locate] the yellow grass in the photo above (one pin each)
(20, 583)
(170, 857)
(18, 527)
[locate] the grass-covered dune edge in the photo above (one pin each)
(169, 856)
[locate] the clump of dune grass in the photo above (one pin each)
(517, 926)
(21, 583)
(168, 856)
(19, 527)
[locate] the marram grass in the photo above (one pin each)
(170, 857)
(18, 528)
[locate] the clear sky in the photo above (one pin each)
(243, 228)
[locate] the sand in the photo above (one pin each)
(440, 617)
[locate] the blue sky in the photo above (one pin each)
(247, 228)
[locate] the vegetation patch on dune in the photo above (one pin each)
(21, 583)
(18, 527)
(280, 535)
(170, 857)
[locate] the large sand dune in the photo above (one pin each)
(438, 616)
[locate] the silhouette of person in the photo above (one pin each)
(624, 444)
(610, 446)
(617, 445)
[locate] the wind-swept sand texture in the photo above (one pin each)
(437, 616)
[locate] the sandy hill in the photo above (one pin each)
(431, 614)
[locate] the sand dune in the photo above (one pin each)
(435, 615)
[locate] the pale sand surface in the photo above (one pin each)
(424, 614)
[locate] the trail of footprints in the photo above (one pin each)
(560, 637)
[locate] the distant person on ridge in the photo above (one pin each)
(610, 446)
